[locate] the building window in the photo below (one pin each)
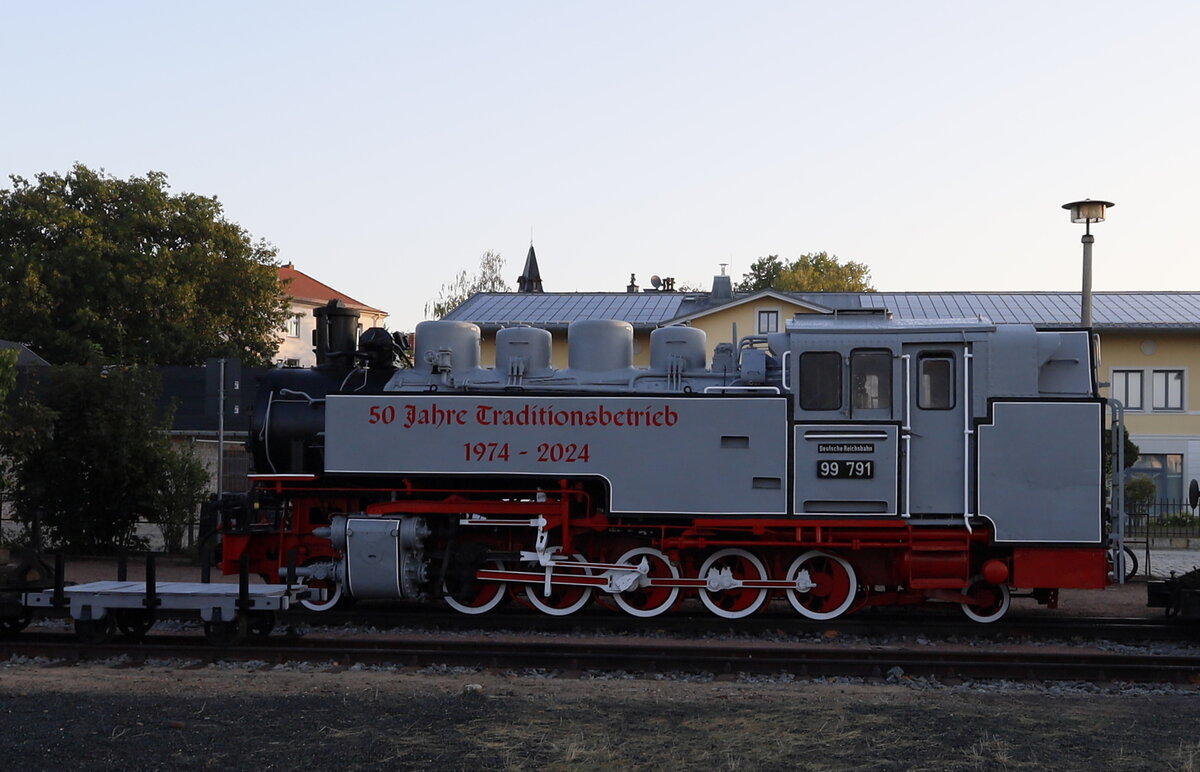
(1167, 390)
(768, 321)
(1165, 469)
(936, 391)
(293, 326)
(821, 380)
(1127, 388)
(871, 380)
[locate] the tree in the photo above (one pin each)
(454, 293)
(812, 272)
(95, 269)
(90, 455)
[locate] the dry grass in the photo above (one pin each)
(114, 719)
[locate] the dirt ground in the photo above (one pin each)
(166, 716)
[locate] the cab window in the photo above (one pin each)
(821, 380)
(871, 380)
(936, 379)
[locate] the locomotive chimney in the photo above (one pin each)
(336, 336)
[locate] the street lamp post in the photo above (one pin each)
(1087, 212)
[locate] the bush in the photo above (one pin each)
(1140, 493)
(90, 455)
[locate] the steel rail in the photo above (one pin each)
(640, 656)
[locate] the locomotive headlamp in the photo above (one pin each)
(1087, 212)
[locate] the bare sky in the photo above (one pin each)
(384, 146)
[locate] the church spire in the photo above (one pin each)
(531, 278)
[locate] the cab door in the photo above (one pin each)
(934, 434)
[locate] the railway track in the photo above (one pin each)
(883, 624)
(644, 656)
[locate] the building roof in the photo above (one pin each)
(305, 288)
(492, 310)
(25, 356)
(1111, 311)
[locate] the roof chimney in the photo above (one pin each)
(633, 287)
(722, 288)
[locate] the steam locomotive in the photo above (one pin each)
(848, 461)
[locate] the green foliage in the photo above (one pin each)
(95, 269)
(8, 374)
(812, 272)
(1132, 451)
(182, 485)
(91, 455)
(454, 293)
(1182, 519)
(1139, 494)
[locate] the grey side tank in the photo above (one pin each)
(523, 353)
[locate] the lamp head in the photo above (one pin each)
(1087, 210)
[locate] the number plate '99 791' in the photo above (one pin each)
(845, 470)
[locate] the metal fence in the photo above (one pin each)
(1163, 518)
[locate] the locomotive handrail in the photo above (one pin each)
(1117, 446)
(967, 432)
(748, 389)
(906, 433)
(784, 377)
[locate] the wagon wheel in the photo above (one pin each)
(93, 631)
(479, 597)
(825, 585)
(563, 599)
(227, 633)
(732, 602)
(993, 601)
(260, 623)
(643, 600)
(133, 623)
(14, 625)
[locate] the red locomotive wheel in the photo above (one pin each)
(646, 601)
(722, 570)
(486, 596)
(562, 599)
(825, 585)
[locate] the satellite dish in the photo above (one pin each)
(657, 282)
(1193, 494)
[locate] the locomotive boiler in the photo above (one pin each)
(848, 461)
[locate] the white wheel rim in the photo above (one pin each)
(633, 557)
(707, 597)
(533, 593)
(485, 607)
(330, 602)
(796, 598)
(1005, 600)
